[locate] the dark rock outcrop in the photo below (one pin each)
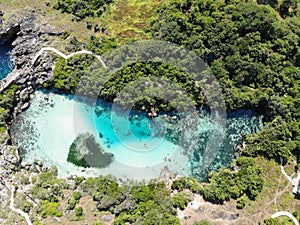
(27, 37)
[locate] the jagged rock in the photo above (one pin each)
(39, 162)
(38, 168)
(11, 155)
(25, 106)
(24, 96)
(107, 218)
(56, 219)
(10, 160)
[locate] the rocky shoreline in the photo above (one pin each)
(26, 37)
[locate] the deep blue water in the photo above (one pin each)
(6, 63)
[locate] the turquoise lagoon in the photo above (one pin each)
(6, 63)
(141, 146)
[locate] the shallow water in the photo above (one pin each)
(6, 63)
(141, 146)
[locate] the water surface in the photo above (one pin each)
(141, 146)
(6, 62)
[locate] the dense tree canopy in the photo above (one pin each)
(83, 8)
(227, 184)
(253, 50)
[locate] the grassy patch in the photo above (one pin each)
(130, 18)
(276, 194)
(50, 19)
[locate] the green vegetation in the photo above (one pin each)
(50, 209)
(83, 8)
(79, 212)
(252, 49)
(278, 139)
(272, 221)
(100, 46)
(204, 222)
(74, 200)
(67, 74)
(254, 53)
(6, 103)
(187, 183)
(226, 184)
(242, 201)
(142, 204)
(22, 203)
(48, 187)
(85, 151)
(180, 201)
(130, 19)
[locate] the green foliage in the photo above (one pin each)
(73, 200)
(50, 209)
(45, 176)
(67, 73)
(83, 8)
(6, 104)
(227, 184)
(253, 53)
(276, 140)
(54, 170)
(65, 35)
(143, 204)
(288, 8)
(296, 214)
(79, 212)
(203, 222)
(242, 201)
(22, 203)
(180, 201)
(187, 183)
(273, 3)
(272, 221)
(88, 186)
(78, 180)
(76, 195)
(101, 46)
(48, 187)
(71, 204)
(37, 222)
(85, 151)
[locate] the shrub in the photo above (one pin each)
(76, 195)
(79, 212)
(242, 201)
(50, 209)
(180, 201)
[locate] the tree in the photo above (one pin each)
(272, 221)
(79, 212)
(287, 8)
